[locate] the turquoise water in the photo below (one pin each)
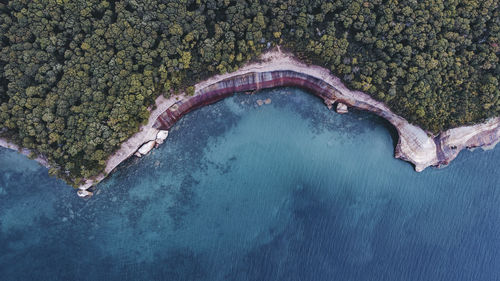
(286, 191)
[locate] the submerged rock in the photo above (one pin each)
(267, 101)
(260, 102)
(341, 108)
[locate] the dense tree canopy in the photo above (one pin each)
(77, 76)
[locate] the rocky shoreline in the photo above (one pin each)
(282, 70)
(24, 151)
(414, 144)
(277, 69)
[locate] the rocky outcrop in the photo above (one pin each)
(145, 148)
(341, 108)
(329, 103)
(161, 136)
(451, 142)
(84, 193)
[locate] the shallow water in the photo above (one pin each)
(286, 191)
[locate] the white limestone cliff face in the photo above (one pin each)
(415, 146)
(485, 135)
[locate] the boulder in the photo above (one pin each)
(341, 108)
(267, 101)
(329, 103)
(137, 154)
(161, 136)
(260, 102)
(84, 193)
(145, 148)
(150, 134)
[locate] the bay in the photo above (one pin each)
(283, 191)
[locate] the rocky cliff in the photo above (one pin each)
(277, 69)
(414, 144)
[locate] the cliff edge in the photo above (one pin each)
(277, 69)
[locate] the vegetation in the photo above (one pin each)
(77, 76)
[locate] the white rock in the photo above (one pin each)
(137, 154)
(145, 148)
(150, 134)
(88, 183)
(84, 193)
(161, 136)
(341, 108)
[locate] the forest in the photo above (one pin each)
(77, 76)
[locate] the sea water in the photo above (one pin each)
(284, 191)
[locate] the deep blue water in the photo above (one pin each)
(286, 191)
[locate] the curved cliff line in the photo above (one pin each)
(278, 70)
(414, 144)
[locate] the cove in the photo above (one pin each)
(284, 191)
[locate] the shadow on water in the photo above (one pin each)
(379, 121)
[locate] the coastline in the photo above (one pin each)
(275, 69)
(24, 151)
(145, 135)
(279, 69)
